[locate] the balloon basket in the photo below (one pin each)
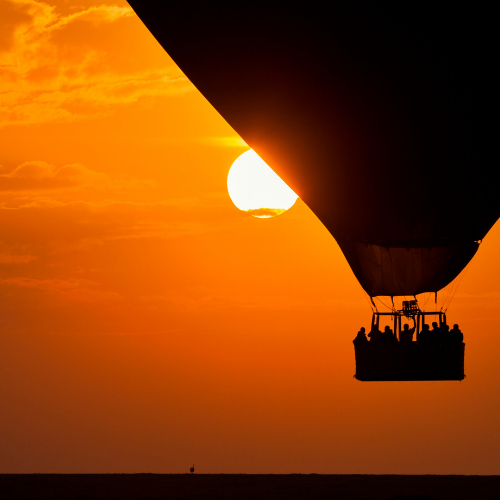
(409, 361)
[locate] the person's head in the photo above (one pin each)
(425, 327)
(406, 326)
(387, 329)
(446, 327)
(434, 325)
(455, 327)
(362, 329)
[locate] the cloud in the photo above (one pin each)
(47, 227)
(95, 14)
(16, 259)
(47, 209)
(38, 184)
(39, 175)
(61, 225)
(265, 213)
(79, 290)
(56, 68)
(12, 16)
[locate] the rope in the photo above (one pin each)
(459, 280)
(447, 291)
(369, 300)
(428, 296)
(367, 297)
(383, 303)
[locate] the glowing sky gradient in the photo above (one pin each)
(146, 324)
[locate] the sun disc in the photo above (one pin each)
(255, 188)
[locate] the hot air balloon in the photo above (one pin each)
(378, 116)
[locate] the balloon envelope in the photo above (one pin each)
(379, 118)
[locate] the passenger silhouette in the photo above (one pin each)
(435, 333)
(383, 334)
(375, 334)
(407, 334)
(456, 335)
(361, 336)
(425, 334)
(387, 335)
(445, 333)
(393, 337)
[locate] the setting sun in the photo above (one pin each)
(255, 188)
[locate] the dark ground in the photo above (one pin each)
(247, 486)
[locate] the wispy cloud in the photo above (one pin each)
(55, 68)
(71, 206)
(61, 226)
(16, 259)
(95, 14)
(265, 213)
(79, 290)
(39, 176)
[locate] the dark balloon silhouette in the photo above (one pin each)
(378, 117)
(191, 469)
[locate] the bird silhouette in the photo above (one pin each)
(191, 469)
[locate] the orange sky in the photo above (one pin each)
(147, 324)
